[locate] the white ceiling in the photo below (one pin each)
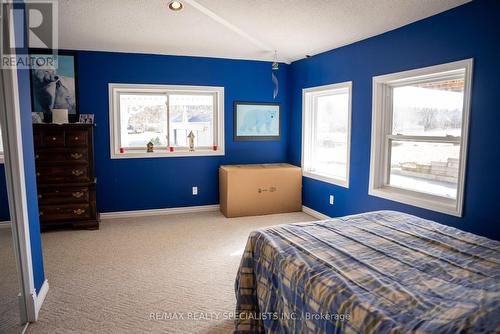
(240, 29)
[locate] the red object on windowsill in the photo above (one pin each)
(171, 149)
(122, 150)
(214, 147)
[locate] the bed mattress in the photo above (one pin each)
(379, 272)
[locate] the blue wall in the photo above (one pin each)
(30, 178)
(134, 184)
(471, 30)
(29, 167)
(4, 203)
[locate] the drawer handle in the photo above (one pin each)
(76, 155)
(77, 194)
(37, 173)
(54, 138)
(39, 195)
(40, 213)
(76, 138)
(37, 156)
(76, 172)
(78, 211)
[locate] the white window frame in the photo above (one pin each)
(115, 89)
(382, 130)
(308, 95)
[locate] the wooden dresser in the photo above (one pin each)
(64, 156)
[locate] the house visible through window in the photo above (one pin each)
(426, 110)
(326, 133)
(419, 136)
(165, 116)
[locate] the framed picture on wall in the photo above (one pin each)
(54, 87)
(257, 121)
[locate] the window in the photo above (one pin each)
(419, 136)
(326, 133)
(165, 116)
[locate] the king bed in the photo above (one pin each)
(378, 272)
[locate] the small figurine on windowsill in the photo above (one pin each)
(150, 146)
(191, 141)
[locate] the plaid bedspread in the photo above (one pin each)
(379, 272)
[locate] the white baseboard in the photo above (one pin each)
(314, 213)
(5, 224)
(186, 209)
(40, 297)
(158, 212)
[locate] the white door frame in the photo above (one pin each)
(10, 120)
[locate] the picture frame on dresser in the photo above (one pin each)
(54, 87)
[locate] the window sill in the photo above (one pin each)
(166, 154)
(424, 201)
(327, 179)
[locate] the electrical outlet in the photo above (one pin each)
(331, 199)
(195, 190)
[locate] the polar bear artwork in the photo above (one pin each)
(53, 91)
(257, 120)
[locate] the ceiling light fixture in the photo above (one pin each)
(175, 5)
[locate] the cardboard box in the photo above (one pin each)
(249, 190)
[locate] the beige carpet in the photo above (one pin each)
(113, 279)
(10, 317)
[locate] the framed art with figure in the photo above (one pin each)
(54, 87)
(257, 121)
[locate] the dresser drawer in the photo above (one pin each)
(53, 138)
(60, 195)
(76, 154)
(66, 173)
(76, 137)
(65, 212)
(37, 140)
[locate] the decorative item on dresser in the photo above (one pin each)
(64, 156)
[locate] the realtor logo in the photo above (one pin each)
(32, 24)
